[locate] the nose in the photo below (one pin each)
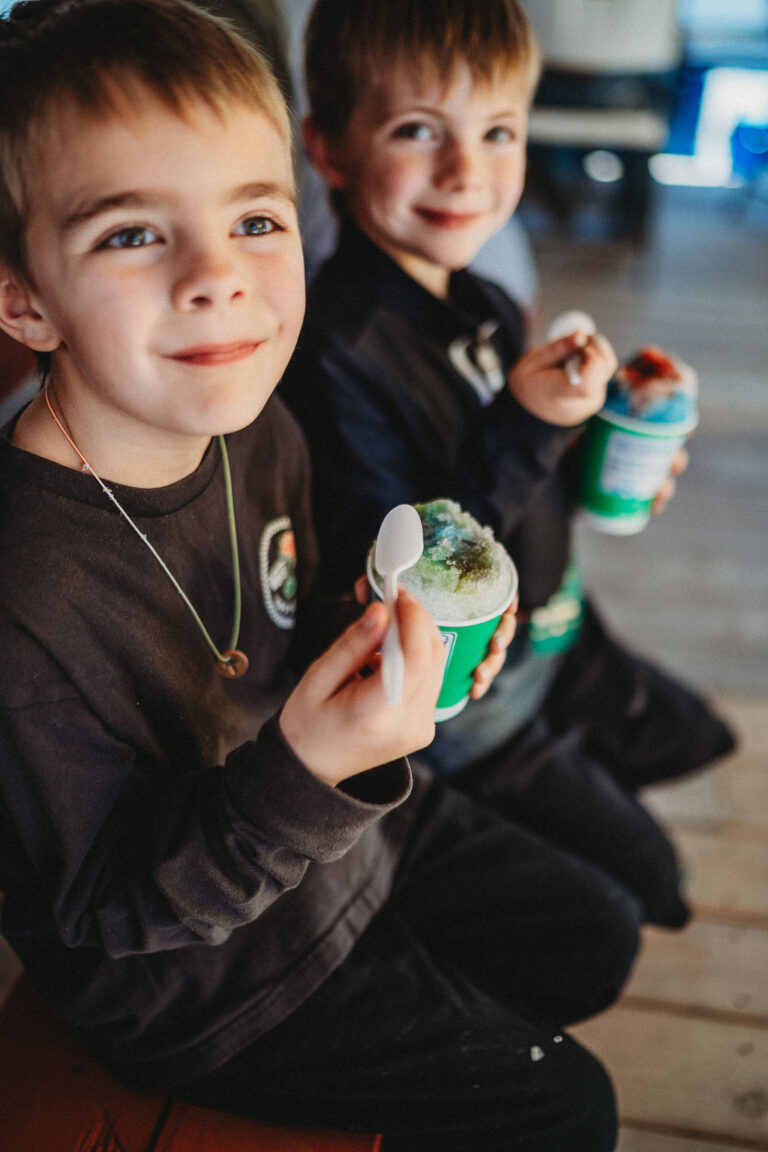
(208, 274)
(457, 166)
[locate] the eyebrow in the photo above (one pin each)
(136, 199)
(504, 113)
(92, 208)
(271, 188)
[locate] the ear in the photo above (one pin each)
(324, 155)
(20, 318)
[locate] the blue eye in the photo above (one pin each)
(136, 236)
(500, 135)
(414, 130)
(256, 226)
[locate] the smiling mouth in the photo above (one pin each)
(449, 220)
(208, 355)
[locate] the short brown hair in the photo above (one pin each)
(351, 45)
(87, 50)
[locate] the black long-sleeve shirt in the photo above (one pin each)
(388, 386)
(175, 879)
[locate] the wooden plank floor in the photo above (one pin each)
(687, 1044)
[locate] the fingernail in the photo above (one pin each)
(368, 619)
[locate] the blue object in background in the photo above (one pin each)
(749, 150)
(684, 120)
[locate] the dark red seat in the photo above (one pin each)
(54, 1097)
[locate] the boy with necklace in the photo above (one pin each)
(411, 382)
(223, 872)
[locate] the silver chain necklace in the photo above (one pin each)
(231, 662)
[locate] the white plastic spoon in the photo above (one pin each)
(399, 545)
(564, 325)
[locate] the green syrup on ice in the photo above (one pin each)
(453, 542)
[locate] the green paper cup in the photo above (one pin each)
(466, 643)
(626, 461)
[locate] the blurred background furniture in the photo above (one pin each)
(603, 106)
(635, 94)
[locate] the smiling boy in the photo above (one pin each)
(412, 382)
(158, 351)
(226, 876)
(418, 121)
(153, 801)
(404, 154)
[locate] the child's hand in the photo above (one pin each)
(339, 722)
(667, 490)
(540, 384)
(490, 667)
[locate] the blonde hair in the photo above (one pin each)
(352, 45)
(92, 53)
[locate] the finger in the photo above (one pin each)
(418, 631)
(663, 497)
(486, 673)
(354, 648)
(362, 590)
(489, 666)
(423, 650)
(494, 660)
(603, 344)
(505, 632)
(551, 355)
(680, 462)
(600, 350)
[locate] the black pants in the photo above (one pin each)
(548, 782)
(610, 724)
(641, 724)
(442, 1028)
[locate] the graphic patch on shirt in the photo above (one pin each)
(555, 627)
(277, 569)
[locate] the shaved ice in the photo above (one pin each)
(653, 386)
(630, 445)
(464, 573)
(466, 580)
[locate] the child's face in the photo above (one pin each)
(164, 252)
(430, 172)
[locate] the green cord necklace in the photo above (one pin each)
(231, 662)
